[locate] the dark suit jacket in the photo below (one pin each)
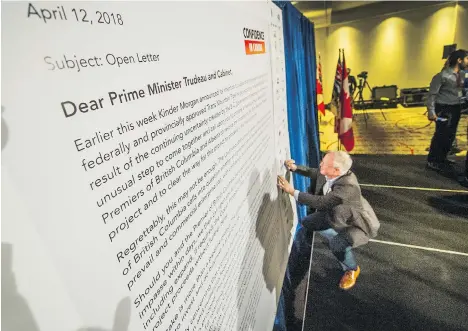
(348, 212)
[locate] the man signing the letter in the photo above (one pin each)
(342, 215)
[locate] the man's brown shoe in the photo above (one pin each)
(349, 278)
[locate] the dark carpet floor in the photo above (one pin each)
(400, 288)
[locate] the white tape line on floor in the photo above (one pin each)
(415, 188)
(419, 247)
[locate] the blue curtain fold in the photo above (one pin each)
(299, 46)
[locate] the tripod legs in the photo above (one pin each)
(361, 102)
(370, 90)
(383, 114)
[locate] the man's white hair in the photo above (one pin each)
(342, 161)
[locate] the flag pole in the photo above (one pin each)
(346, 115)
(339, 119)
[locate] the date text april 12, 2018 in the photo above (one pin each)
(62, 13)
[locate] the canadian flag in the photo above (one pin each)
(345, 132)
(320, 103)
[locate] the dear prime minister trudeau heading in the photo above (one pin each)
(79, 63)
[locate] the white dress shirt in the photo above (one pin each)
(326, 188)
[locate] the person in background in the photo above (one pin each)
(455, 149)
(444, 106)
(342, 215)
(464, 179)
(352, 83)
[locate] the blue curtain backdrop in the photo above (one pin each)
(299, 44)
(301, 87)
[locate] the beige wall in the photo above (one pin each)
(404, 49)
(461, 33)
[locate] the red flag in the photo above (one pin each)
(320, 103)
(335, 102)
(345, 132)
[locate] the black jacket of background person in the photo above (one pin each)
(346, 210)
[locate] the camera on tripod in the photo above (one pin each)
(358, 99)
(363, 75)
